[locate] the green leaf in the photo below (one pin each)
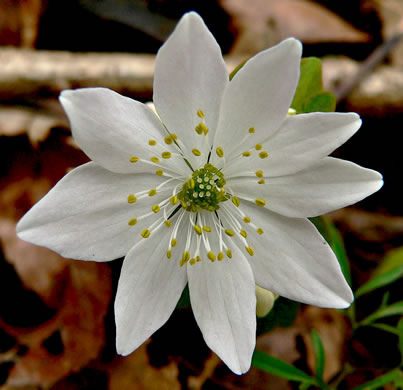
(381, 280)
(184, 300)
(332, 236)
(392, 310)
(283, 314)
(277, 367)
(392, 376)
(319, 355)
(393, 259)
(310, 83)
(323, 101)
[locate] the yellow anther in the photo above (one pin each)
(168, 140)
(258, 147)
(200, 114)
(198, 229)
(198, 258)
(229, 232)
(192, 261)
(251, 130)
(168, 223)
(155, 159)
(169, 253)
(174, 242)
(229, 253)
(260, 230)
(211, 256)
(131, 198)
(259, 173)
(199, 129)
(174, 136)
(134, 159)
(291, 111)
(184, 204)
(152, 142)
(243, 233)
(145, 233)
(260, 202)
(132, 222)
(159, 172)
(261, 181)
(185, 257)
(196, 152)
(192, 183)
(152, 192)
(207, 228)
(173, 200)
(155, 208)
(166, 155)
(220, 151)
(263, 154)
(246, 219)
(246, 154)
(220, 256)
(250, 250)
(235, 201)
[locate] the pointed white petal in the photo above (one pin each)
(301, 142)
(85, 216)
(190, 75)
(111, 128)
(258, 97)
(224, 304)
(293, 260)
(327, 186)
(149, 288)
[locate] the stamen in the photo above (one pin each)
(207, 229)
(168, 223)
(251, 130)
(132, 222)
(250, 250)
(168, 140)
(145, 233)
(166, 155)
(263, 154)
(198, 229)
(260, 230)
(229, 232)
(261, 182)
(155, 159)
(258, 147)
(220, 256)
(246, 154)
(169, 253)
(152, 142)
(196, 152)
(174, 242)
(185, 258)
(159, 172)
(220, 151)
(152, 192)
(259, 173)
(243, 233)
(131, 198)
(211, 256)
(155, 208)
(246, 219)
(134, 159)
(235, 201)
(173, 200)
(229, 253)
(260, 202)
(200, 114)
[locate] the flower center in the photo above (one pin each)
(204, 190)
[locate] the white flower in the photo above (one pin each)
(215, 192)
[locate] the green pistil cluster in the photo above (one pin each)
(204, 190)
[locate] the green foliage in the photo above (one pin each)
(283, 314)
(330, 233)
(184, 300)
(277, 367)
(319, 356)
(310, 96)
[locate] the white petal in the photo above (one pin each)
(301, 141)
(111, 128)
(149, 288)
(190, 75)
(293, 260)
(259, 96)
(327, 186)
(224, 304)
(85, 216)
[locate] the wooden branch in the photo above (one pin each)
(28, 73)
